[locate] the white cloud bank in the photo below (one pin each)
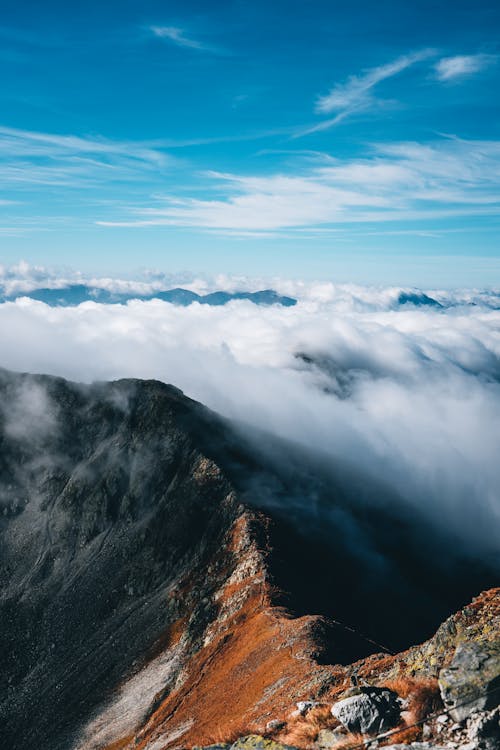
(410, 394)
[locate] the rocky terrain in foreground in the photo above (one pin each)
(163, 587)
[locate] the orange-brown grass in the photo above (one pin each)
(404, 736)
(303, 731)
(351, 741)
(229, 735)
(422, 696)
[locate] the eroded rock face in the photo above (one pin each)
(471, 682)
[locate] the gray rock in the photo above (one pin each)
(471, 683)
(327, 738)
(303, 707)
(275, 725)
(483, 729)
(256, 742)
(415, 746)
(372, 711)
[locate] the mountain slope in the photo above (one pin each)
(146, 548)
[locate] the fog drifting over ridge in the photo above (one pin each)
(408, 393)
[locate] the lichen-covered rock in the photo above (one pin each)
(256, 742)
(327, 738)
(471, 682)
(371, 711)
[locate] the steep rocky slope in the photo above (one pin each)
(148, 552)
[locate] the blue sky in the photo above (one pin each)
(350, 140)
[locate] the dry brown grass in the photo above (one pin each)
(229, 735)
(422, 696)
(405, 736)
(303, 731)
(353, 740)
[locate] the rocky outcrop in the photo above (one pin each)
(472, 680)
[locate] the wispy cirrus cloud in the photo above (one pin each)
(356, 93)
(31, 157)
(178, 36)
(402, 181)
(28, 156)
(460, 66)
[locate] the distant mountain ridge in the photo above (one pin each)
(75, 294)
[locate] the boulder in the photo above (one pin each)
(370, 711)
(471, 682)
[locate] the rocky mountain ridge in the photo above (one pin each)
(147, 552)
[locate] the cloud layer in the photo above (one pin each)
(407, 392)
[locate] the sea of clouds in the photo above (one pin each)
(408, 393)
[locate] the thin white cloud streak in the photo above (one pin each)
(460, 66)
(177, 36)
(397, 182)
(356, 94)
(410, 395)
(31, 157)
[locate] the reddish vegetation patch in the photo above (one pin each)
(404, 736)
(422, 696)
(231, 676)
(256, 662)
(303, 731)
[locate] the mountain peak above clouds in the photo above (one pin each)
(76, 294)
